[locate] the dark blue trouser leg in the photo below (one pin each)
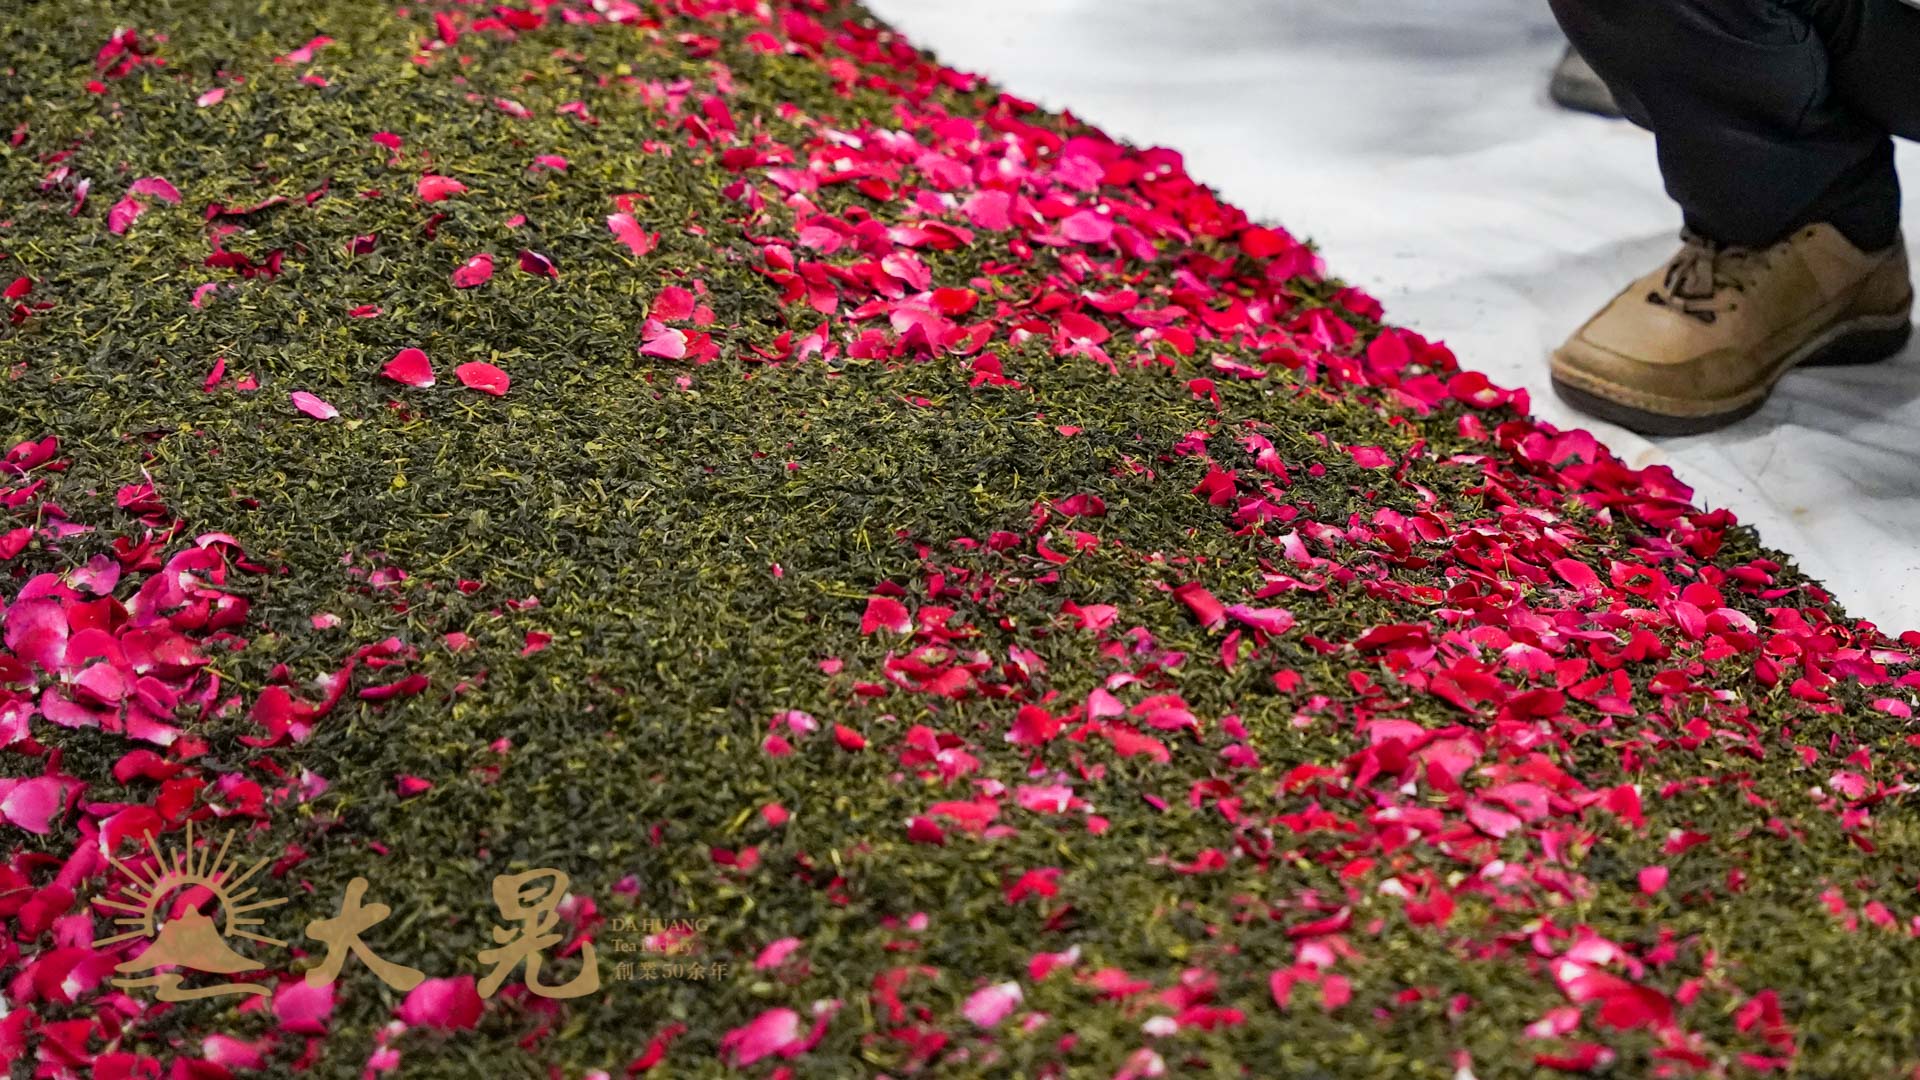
(1768, 114)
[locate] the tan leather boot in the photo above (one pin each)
(1701, 343)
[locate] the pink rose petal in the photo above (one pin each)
(777, 953)
(776, 1031)
(433, 188)
(228, 1052)
(1087, 227)
(303, 1008)
(1370, 457)
(155, 187)
(36, 633)
(628, 231)
(484, 377)
(447, 1004)
(988, 1006)
(668, 344)
(123, 214)
(1270, 620)
(989, 210)
(313, 406)
(475, 271)
(32, 803)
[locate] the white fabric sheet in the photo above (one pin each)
(1413, 141)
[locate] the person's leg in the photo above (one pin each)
(1872, 46)
(1757, 130)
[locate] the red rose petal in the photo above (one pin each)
(410, 367)
(535, 263)
(673, 303)
(885, 613)
(1211, 613)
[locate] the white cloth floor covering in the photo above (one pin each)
(1413, 141)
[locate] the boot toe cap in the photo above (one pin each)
(1684, 388)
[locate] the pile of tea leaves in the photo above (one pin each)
(942, 593)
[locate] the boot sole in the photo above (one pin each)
(1858, 341)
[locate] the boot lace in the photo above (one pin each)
(1704, 278)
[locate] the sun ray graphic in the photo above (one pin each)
(144, 889)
